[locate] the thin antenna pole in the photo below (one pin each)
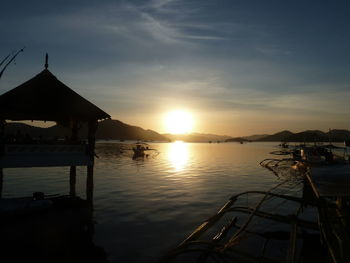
(8, 63)
(46, 61)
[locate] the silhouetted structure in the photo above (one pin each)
(45, 98)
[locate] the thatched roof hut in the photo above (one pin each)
(45, 98)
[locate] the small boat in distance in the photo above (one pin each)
(139, 151)
(136, 150)
(284, 145)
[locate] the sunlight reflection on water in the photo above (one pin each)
(178, 155)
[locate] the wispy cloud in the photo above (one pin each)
(228, 58)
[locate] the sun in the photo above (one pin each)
(179, 122)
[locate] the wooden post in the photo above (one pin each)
(2, 145)
(2, 129)
(1, 181)
(73, 169)
(90, 184)
(92, 126)
(72, 180)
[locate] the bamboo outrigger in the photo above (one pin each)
(326, 193)
(232, 242)
(328, 177)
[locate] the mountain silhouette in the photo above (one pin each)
(335, 135)
(107, 129)
(279, 136)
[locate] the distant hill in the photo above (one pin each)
(197, 137)
(117, 130)
(279, 136)
(308, 136)
(107, 129)
(255, 137)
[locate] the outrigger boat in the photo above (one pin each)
(310, 228)
(141, 151)
(328, 176)
(241, 233)
(305, 156)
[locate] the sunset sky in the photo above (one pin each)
(239, 67)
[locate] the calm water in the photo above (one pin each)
(144, 207)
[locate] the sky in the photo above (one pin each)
(239, 67)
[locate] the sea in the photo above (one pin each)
(145, 206)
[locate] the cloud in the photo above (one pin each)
(227, 57)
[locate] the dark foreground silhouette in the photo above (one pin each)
(58, 229)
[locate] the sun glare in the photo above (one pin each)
(179, 122)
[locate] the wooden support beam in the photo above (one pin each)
(292, 250)
(1, 181)
(72, 180)
(73, 169)
(2, 142)
(92, 127)
(74, 136)
(90, 184)
(2, 128)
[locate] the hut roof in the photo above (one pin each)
(46, 98)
